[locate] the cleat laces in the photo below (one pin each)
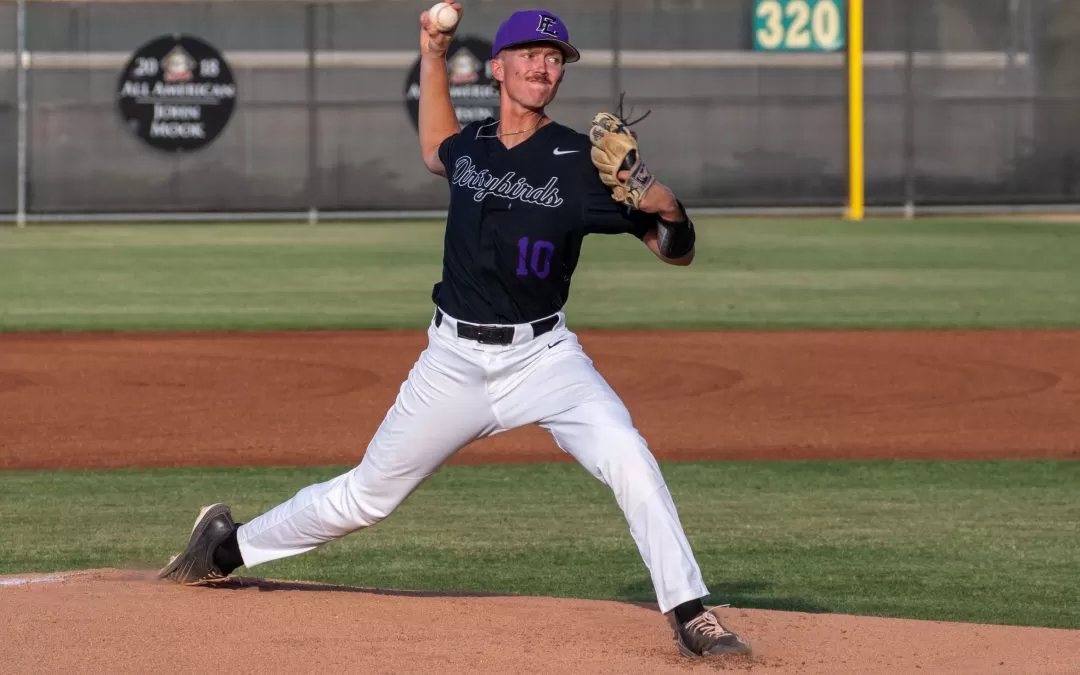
(708, 625)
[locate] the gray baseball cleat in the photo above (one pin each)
(705, 635)
(195, 565)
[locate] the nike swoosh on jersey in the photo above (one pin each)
(557, 151)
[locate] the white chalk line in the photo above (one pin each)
(43, 579)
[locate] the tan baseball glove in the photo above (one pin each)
(615, 149)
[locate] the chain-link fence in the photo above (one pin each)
(8, 111)
(956, 120)
(967, 101)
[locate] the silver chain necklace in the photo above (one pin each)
(508, 133)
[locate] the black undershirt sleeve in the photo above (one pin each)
(675, 238)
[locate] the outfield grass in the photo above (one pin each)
(991, 542)
(749, 273)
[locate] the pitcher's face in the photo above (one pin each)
(530, 75)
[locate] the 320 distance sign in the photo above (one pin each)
(177, 93)
(799, 25)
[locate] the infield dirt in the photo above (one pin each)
(72, 401)
(121, 400)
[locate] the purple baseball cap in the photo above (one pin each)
(534, 25)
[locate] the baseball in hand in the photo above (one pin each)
(443, 16)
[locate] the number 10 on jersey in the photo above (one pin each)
(799, 25)
(534, 256)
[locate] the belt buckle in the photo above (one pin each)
(486, 335)
(490, 335)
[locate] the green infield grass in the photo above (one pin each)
(749, 273)
(990, 542)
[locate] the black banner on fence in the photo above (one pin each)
(177, 93)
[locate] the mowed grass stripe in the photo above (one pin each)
(990, 542)
(749, 273)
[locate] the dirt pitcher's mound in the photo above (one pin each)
(120, 621)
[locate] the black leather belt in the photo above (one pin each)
(496, 335)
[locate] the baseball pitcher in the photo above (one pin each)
(524, 192)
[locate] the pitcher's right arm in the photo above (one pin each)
(437, 120)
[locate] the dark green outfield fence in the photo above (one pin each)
(967, 101)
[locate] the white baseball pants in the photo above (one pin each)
(459, 391)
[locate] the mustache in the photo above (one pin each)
(538, 77)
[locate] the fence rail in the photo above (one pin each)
(590, 58)
(966, 102)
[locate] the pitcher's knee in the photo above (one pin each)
(628, 467)
(371, 497)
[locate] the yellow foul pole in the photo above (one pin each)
(855, 110)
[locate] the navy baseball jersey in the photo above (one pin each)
(517, 219)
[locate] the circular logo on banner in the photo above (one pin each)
(472, 89)
(177, 93)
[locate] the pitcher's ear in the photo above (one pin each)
(497, 70)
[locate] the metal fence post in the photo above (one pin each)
(22, 61)
(1012, 138)
(856, 113)
(313, 115)
(616, 49)
(909, 113)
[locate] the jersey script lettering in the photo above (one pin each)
(483, 184)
